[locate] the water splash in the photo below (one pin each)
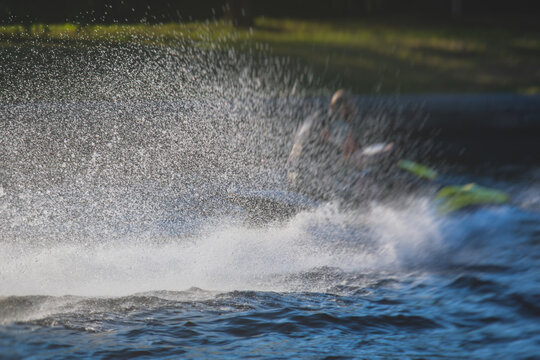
(219, 257)
(115, 162)
(228, 256)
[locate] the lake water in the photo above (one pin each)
(118, 239)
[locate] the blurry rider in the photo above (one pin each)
(328, 145)
(340, 130)
(324, 141)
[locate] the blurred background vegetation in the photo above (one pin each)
(388, 46)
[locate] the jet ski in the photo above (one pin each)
(321, 168)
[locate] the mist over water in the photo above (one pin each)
(116, 165)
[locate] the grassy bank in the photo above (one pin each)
(366, 56)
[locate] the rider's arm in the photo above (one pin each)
(349, 145)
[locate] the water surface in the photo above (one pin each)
(118, 239)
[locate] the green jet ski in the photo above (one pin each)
(320, 167)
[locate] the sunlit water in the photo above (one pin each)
(118, 239)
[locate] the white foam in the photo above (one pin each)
(224, 257)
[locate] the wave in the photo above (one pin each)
(225, 255)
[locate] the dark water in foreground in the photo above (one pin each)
(465, 313)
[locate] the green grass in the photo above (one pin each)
(364, 56)
(140, 33)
